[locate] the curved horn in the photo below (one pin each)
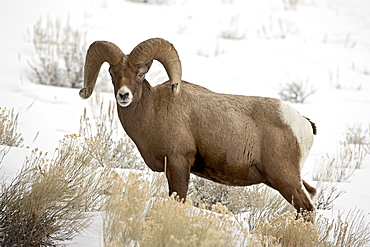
(98, 53)
(162, 51)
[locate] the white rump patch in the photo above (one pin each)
(301, 127)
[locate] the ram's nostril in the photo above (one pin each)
(123, 96)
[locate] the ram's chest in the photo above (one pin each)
(154, 146)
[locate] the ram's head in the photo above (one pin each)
(128, 71)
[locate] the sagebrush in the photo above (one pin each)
(60, 55)
(287, 229)
(259, 202)
(9, 135)
(50, 199)
(332, 169)
(347, 229)
(117, 149)
(296, 91)
(135, 218)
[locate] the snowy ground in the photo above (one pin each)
(326, 42)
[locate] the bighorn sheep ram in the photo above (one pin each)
(230, 139)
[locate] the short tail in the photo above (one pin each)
(314, 129)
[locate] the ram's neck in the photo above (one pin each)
(137, 117)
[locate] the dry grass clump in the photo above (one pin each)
(340, 167)
(8, 128)
(9, 137)
(134, 217)
(290, 229)
(359, 137)
(287, 229)
(60, 51)
(257, 202)
(172, 223)
(352, 231)
(49, 200)
(232, 27)
(124, 210)
(117, 149)
(327, 193)
(265, 204)
(203, 191)
(349, 156)
(296, 91)
(333, 169)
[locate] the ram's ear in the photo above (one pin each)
(147, 66)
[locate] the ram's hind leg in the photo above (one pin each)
(294, 191)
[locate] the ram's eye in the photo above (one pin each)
(141, 75)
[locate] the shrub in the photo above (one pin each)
(232, 29)
(180, 224)
(359, 137)
(60, 54)
(8, 129)
(117, 149)
(49, 200)
(329, 171)
(351, 230)
(203, 191)
(287, 229)
(296, 91)
(135, 218)
(327, 193)
(124, 210)
(265, 203)
(340, 167)
(290, 229)
(257, 202)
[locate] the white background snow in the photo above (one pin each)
(326, 41)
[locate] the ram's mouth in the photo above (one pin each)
(124, 103)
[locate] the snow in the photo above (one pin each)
(326, 42)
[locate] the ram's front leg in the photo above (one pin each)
(177, 170)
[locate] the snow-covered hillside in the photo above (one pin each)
(228, 46)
